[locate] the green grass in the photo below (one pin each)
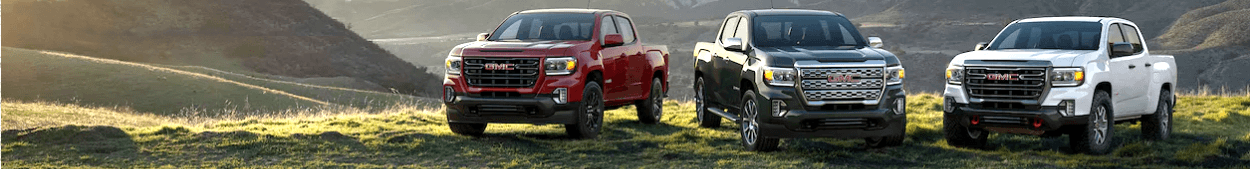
(42, 76)
(415, 137)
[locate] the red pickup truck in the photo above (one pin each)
(554, 66)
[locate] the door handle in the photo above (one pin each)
(1132, 66)
(1147, 65)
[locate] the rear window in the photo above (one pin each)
(545, 26)
(1049, 35)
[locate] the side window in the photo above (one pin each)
(1130, 35)
(606, 26)
(1114, 35)
(627, 29)
(742, 29)
(730, 27)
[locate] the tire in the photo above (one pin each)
(468, 129)
(705, 120)
(651, 110)
(1159, 125)
(1098, 134)
(750, 126)
(896, 139)
(962, 136)
(589, 114)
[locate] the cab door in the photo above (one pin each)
(714, 81)
(732, 61)
(615, 59)
(637, 69)
(1130, 74)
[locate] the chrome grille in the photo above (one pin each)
(842, 94)
(1028, 83)
(817, 86)
(524, 73)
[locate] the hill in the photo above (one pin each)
(1210, 44)
(38, 76)
(277, 37)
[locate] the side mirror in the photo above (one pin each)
(613, 40)
(734, 44)
(875, 42)
(483, 36)
(1121, 49)
(981, 46)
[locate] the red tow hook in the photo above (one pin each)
(975, 120)
(1037, 122)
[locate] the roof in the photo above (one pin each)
(760, 12)
(565, 10)
(1069, 18)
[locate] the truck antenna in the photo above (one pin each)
(770, 4)
(588, 4)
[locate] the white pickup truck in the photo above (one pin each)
(1060, 75)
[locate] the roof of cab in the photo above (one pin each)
(1069, 18)
(760, 12)
(566, 10)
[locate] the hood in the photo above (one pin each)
(518, 48)
(787, 55)
(1055, 57)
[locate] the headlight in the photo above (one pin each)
(954, 75)
(779, 76)
(560, 66)
(453, 65)
(894, 75)
(1065, 77)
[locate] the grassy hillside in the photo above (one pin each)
(35, 76)
(1209, 133)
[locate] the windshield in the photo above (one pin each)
(804, 30)
(545, 26)
(1049, 35)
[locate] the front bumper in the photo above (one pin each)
(1017, 121)
(540, 109)
(832, 121)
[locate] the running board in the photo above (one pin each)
(722, 113)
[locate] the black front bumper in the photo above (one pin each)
(1017, 121)
(840, 121)
(540, 109)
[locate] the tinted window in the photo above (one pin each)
(1049, 35)
(626, 28)
(1114, 34)
(729, 28)
(606, 26)
(545, 26)
(1130, 35)
(804, 30)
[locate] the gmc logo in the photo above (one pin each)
(498, 66)
(1002, 76)
(843, 78)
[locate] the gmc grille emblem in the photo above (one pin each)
(498, 66)
(843, 78)
(1002, 76)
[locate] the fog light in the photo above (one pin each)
(1067, 108)
(949, 104)
(900, 106)
(449, 94)
(779, 108)
(562, 95)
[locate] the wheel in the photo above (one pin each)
(894, 140)
(700, 101)
(1098, 133)
(468, 129)
(589, 114)
(963, 136)
(650, 111)
(1159, 125)
(751, 138)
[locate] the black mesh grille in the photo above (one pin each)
(503, 72)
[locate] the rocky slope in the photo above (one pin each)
(275, 37)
